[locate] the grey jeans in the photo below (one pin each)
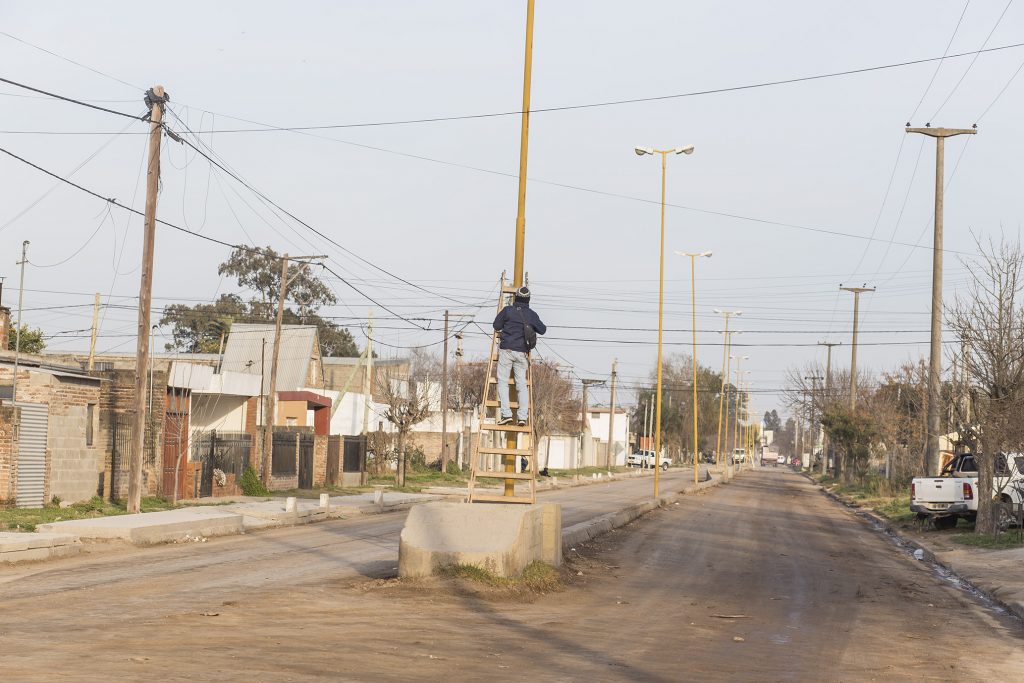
(517, 362)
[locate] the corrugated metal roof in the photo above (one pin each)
(243, 350)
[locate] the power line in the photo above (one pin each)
(72, 100)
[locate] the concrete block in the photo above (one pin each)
(501, 538)
(289, 504)
(325, 500)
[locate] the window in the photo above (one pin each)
(90, 413)
(290, 421)
(595, 416)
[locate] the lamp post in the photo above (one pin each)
(693, 309)
(641, 151)
(725, 375)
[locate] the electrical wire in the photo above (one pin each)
(72, 100)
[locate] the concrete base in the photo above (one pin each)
(25, 547)
(151, 527)
(501, 538)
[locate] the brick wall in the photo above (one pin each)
(9, 416)
(72, 465)
(430, 442)
(319, 460)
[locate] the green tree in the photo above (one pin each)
(31, 340)
(772, 421)
(199, 328)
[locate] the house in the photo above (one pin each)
(49, 433)
(598, 420)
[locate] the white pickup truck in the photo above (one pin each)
(645, 459)
(954, 493)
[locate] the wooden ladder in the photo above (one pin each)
(515, 436)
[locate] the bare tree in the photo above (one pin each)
(555, 406)
(408, 400)
(988, 319)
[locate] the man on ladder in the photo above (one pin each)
(518, 326)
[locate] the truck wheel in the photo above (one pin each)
(1004, 520)
(664, 467)
(943, 523)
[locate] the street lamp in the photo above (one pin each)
(725, 375)
(641, 151)
(693, 308)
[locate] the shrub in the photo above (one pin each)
(251, 484)
(454, 469)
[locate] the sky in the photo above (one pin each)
(796, 187)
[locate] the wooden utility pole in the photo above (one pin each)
(155, 99)
(857, 291)
(611, 418)
(367, 392)
(95, 326)
(583, 415)
(814, 427)
(931, 455)
(269, 417)
(444, 399)
(825, 445)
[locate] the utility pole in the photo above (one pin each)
(611, 418)
(444, 399)
(825, 445)
(857, 291)
(814, 428)
(367, 392)
(268, 410)
(587, 383)
(155, 99)
(17, 328)
(95, 326)
(931, 455)
(725, 376)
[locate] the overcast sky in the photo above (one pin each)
(802, 169)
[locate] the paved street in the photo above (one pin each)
(813, 593)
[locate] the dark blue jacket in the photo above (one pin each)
(510, 324)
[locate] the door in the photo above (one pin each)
(32, 431)
(175, 455)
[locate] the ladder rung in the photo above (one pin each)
(506, 428)
(491, 498)
(494, 450)
(497, 404)
(495, 474)
(509, 290)
(494, 380)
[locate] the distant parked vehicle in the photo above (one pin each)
(781, 459)
(646, 460)
(954, 493)
(739, 455)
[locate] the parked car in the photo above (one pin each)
(645, 459)
(954, 493)
(739, 455)
(781, 459)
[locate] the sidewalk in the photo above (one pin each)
(997, 574)
(197, 523)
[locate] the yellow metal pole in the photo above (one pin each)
(739, 395)
(721, 396)
(661, 302)
(524, 142)
(693, 306)
(511, 441)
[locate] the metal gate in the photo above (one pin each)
(34, 425)
(333, 459)
(305, 461)
(224, 451)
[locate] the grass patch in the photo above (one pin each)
(315, 492)
(537, 577)
(27, 519)
(421, 479)
(1010, 539)
(886, 498)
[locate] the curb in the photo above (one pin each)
(990, 593)
(591, 529)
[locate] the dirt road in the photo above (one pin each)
(761, 580)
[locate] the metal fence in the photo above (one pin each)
(228, 452)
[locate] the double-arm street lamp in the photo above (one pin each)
(693, 309)
(641, 151)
